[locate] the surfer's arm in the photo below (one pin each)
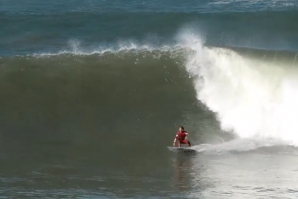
(186, 137)
(174, 142)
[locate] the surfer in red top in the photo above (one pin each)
(181, 137)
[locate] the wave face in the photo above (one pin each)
(123, 97)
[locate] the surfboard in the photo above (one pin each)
(181, 149)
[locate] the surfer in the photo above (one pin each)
(181, 137)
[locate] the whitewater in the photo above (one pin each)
(252, 98)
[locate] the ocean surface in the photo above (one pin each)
(93, 92)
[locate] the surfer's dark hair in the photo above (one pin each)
(182, 127)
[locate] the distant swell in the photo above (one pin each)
(35, 33)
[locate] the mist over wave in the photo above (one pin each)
(129, 46)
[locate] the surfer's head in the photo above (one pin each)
(181, 128)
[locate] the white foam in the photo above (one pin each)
(237, 145)
(252, 98)
(256, 3)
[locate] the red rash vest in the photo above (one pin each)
(181, 135)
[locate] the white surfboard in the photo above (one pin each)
(181, 149)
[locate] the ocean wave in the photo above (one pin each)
(251, 92)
